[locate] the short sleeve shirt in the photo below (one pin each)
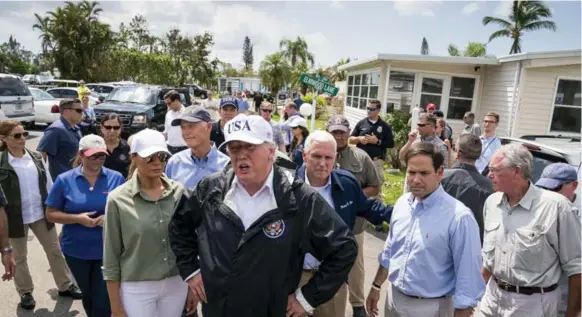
(60, 142)
(72, 194)
(174, 134)
(119, 159)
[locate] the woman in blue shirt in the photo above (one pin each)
(77, 200)
(300, 133)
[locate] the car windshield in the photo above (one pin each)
(41, 95)
(131, 95)
(10, 86)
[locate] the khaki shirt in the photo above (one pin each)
(359, 163)
(532, 243)
(136, 246)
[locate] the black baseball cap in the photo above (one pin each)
(193, 114)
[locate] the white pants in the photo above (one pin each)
(499, 303)
(165, 298)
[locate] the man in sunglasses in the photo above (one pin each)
(425, 132)
(266, 109)
(60, 141)
(241, 238)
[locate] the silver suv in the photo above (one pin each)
(16, 100)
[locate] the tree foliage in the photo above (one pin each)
(14, 58)
(525, 16)
(424, 50)
(296, 50)
(275, 72)
(247, 57)
(473, 49)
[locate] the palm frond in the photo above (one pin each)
(540, 25)
(500, 33)
(494, 20)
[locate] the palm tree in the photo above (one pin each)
(473, 49)
(274, 72)
(296, 50)
(424, 50)
(525, 16)
(339, 75)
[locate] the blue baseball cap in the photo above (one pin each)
(193, 114)
(556, 175)
(229, 101)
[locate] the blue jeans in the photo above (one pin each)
(90, 280)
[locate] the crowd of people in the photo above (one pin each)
(246, 216)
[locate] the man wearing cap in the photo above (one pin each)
(60, 141)
(173, 134)
(291, 110)
(241, 238)
(430, 108)
(202, 158)
(227, 110)
(265, 109)
(563, 179)
(531, 239)
(357, 162)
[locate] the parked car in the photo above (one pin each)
(68, 92)
(29, 78)
(197, 91)
(16, 100)
(139, 106)
(46, 107)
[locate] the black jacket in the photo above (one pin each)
(250, 273)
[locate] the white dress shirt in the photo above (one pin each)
(174, 134)
(30, 197)
(310, 262)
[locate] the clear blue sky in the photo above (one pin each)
(333, 29)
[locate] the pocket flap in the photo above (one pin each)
(491, 225)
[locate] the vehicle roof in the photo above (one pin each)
(64, 81)
(8, 75)
(566, 147)
(153, 86)
(69, 88)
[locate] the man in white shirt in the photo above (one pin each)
(173, 134)
(490, 143)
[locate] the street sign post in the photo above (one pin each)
(319, 83)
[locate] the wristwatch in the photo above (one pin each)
(6, 250)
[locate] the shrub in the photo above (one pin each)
(398, 121)
(320, 104)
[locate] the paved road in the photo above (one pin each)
(48, 304)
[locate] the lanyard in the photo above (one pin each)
(488, 144)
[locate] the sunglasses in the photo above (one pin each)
(161, 156)
(20, 135)
(79, 111)
(372, 109)
(111, 127)
(267, 110)
(98, 156)
(422, 125)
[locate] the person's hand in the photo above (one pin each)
(372, 139)
(196, 285)
(191, 303)
(86, 220)
(9, 266)
(294, 307)
(467, 312)
(99, 220)
(363, 140)
(372, 302)
(412, 136)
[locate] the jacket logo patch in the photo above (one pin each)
(346, 204)
(379, 129)
(275, 229)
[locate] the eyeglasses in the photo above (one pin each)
(421, 125)
(20, 135)
(372, 109)
(78, 110)
(161, 156)
(98, 156)
(267, 110)
(494, 170)
(489, 121)
(111, 127)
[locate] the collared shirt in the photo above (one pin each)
(60, 142)
(473, 129)
(466, 184)
(277, 133)
(30, 197)
(88, 117)
(489, 146)
(433, 249)
(136, 245)
(119, 159)
(243, 105)
(437, 141)
(533, 242)
(187, 169)
(286, 129)
(174, 134)
(310, 261)
(72, 194)
(379, 128)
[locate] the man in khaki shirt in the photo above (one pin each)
(359, 163)
(531, 238)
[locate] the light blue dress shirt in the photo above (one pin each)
(310, 262)
(183, 167)
(489, 146)
(243, 105)
(433, 249)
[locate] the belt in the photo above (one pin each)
(419, 297)
(526, 290)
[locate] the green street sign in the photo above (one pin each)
(319, 84)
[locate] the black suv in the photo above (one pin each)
(139, 106)
(197, 91)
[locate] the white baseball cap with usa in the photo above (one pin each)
(250, 129)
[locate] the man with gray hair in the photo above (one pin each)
(464, 182)
(531, 238)
(342, 192)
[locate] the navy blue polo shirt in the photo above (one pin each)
(61, 143)
(72, 194)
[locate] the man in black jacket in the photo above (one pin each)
(241, 238)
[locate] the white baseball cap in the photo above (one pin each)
(249, 129)
(147, 142)
(297, 121)
(92, 144)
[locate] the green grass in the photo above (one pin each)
(319, 123)
(393, 187)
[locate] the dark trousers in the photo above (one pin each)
(176, 149)
(90, 280)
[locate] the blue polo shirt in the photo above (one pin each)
(187, 169)
(71, 193)
(60, 142)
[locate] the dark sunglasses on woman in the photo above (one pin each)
(20, 135)
(161, 156)
(111, 127)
